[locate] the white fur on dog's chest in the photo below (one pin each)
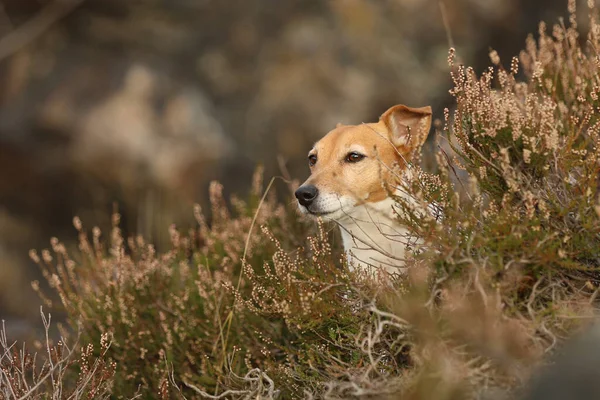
(373, 238)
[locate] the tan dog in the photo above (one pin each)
(354, 169)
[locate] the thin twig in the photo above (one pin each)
(446, 25)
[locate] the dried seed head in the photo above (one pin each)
(514, 65)
(494, 57)
(451, 56)
(77, 223)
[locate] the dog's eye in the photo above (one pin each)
(354, 157)
(312, 160)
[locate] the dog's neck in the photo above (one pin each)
(373, 238)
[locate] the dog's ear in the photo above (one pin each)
(408, 126)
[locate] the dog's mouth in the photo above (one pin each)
(319, 213)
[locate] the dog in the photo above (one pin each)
(355, 174)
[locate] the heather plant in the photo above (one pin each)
(61, 370)
(257, 303)
(530, 151)
(520, 235)
(225, 301)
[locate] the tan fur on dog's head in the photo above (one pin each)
(354, 164)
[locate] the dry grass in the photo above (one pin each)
(61, 371)
(238, 311)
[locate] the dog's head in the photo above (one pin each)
(358, 164)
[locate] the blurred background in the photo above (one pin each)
(142, 103)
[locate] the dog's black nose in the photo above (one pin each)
(306, 194)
